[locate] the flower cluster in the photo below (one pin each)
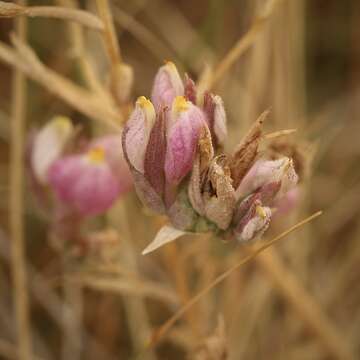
(173, 145)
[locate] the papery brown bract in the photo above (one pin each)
(246, 151)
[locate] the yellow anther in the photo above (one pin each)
(144, 102)
(62, 123)
(180, 104)
(261, 212)
(169, 63)
(96, 155)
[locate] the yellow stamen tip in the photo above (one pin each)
(261, 212)
(169, 63)
(96, 155)
(180, 104)
(62, 123)
(144, 102)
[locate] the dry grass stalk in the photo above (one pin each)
(79, 16)
(10, 351)
(128, 287)
(17, 209)
(78, 51)
(280, 133)
(243, 44)
(159, 334)
(143, 35)
(307, 307)
(110, 37)
(24, 59)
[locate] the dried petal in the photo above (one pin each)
(48, 146)
(182, 139)
(219, 198)
(246, 151)
(167, 85)
(136, 133)
(85, 182)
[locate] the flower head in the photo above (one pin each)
(175, 155)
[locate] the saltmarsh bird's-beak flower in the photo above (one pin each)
(137, 130)
(185, 124)
(179, 168)
(167, 86)
(85, 182)
(48, 145)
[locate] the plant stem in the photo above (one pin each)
(16, 208)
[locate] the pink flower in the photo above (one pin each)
(112, 145)
(288, 202)
(184, 128)
(254, 223)
(268, 171)
(85, 182)
(137, 131)
(167, 85)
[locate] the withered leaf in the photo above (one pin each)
(219, 198)
(246, 151)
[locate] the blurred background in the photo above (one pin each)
(299, 299)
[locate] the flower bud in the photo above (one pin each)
(216, 118)
(254, 223)
(167, 85)
(183, 134)
(268, 171)
(137, 132)
(115, 158)
(85, 182)
(48, 145)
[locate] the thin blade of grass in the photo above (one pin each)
(18, 262)
(82, 17)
